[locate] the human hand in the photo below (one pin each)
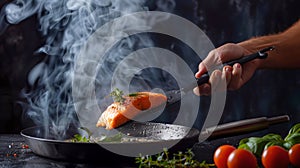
(236, 76)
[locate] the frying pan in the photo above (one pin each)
(163, 134)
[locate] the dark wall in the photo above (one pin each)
(236, 20)
(17, 54)
(269, 92)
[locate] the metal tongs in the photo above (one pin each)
(175, 95)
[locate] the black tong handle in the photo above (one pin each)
(262, 54)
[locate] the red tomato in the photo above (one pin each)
(275, 157)
(241, 158)
(221, 155)
(294, 155)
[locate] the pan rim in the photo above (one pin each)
(193, 131)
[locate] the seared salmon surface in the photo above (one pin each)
(119, 113)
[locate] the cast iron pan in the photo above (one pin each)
(164, 135)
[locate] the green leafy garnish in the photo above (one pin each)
(133, 94)
(82, 138)
(89, 138)
(164, 159)
(293, 137)
(79, 138)
(117, 95)
(258, 144)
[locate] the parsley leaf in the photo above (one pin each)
(117, 95)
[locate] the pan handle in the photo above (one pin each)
(243, 126)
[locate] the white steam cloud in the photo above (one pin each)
(66, 25)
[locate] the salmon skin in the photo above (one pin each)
(119, 113)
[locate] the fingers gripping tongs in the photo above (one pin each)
(175, 95)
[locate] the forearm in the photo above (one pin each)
(287, 48)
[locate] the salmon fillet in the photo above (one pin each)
(119, 113)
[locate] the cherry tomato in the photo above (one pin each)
(294, 155)
(241, 158)
(275, 157)
(221, 155)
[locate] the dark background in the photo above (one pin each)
(268, 93)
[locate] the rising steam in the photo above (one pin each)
(66, 26)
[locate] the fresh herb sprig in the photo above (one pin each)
(105, 138)
(133, 94)
(117, 95)
(80, 138)
(165, 160)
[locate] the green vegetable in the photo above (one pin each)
(104, 138)
(164, 159)
(133, 94)
(258, 144)
(80, 138)
(294, 129)
(293, 137)
(117, 95)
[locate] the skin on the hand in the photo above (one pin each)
(234, 75)
(285, 55)
(216, 80)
